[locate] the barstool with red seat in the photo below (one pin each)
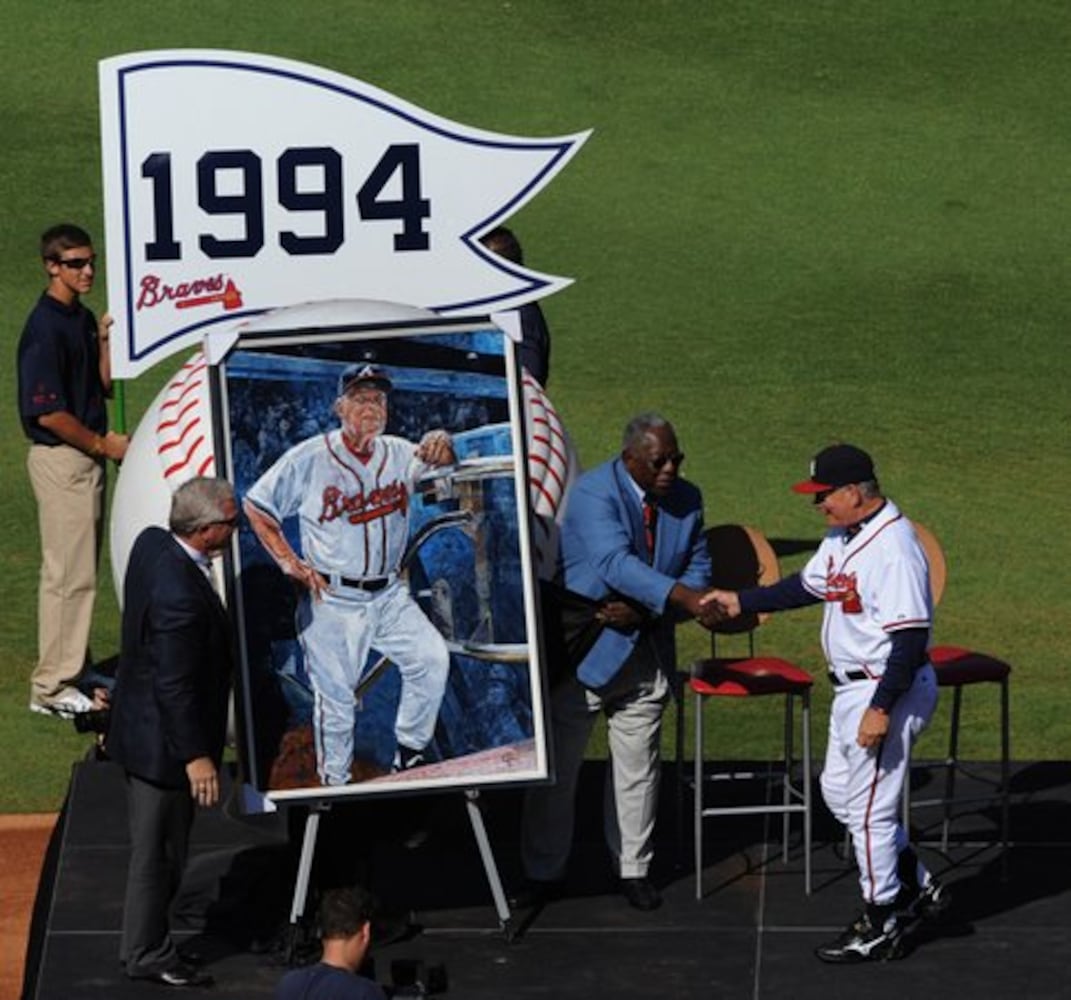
(743, 558)
(956, 668)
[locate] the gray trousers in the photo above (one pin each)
(633, 703)
(160, 821)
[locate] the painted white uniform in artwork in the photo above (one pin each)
(873, 583)
(354, 524)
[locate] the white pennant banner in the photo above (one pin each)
(235, 183)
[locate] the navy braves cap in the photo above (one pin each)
(363, 375)
(836, 466)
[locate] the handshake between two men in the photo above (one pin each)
(708, 609)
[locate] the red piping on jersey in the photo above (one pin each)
(383, 568)
(847, 559)
(341, 459)
(851, 555)
(380, 513)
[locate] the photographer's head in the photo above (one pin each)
(345, 918)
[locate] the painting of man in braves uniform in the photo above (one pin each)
(350, 489)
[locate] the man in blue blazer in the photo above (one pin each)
(632, 542)
(169, 713)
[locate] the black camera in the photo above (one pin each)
(96, 720)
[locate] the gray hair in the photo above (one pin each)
(197, 503)
(869, 489)
(639, 427)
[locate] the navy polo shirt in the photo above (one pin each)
(59, 368)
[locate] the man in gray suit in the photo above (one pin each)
(169, 713)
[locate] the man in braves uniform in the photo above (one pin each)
(350, 490)
(872, 575)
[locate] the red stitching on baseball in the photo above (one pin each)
(186, 460)
(167, 424)
(174, 443)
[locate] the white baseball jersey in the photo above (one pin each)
(353, 514)
(872, 584)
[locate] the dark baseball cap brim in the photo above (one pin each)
(365, 379)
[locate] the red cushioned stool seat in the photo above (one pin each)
(748, 676)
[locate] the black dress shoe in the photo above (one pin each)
(535, 892)
(641, 893)
(190, 954)
(179, 974)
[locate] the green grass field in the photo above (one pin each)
(793, 224)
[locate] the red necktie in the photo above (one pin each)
(650, 519)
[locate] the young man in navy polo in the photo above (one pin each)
(64, 377)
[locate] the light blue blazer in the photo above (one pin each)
(602, 555)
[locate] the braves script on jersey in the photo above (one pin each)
(354, 514)
(874, 583)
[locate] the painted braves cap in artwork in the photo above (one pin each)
(836, 466)
(364, 374)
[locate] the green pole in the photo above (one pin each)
(120, 406)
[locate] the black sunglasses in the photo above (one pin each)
(824, 495)
(676, 457)
(75, 263)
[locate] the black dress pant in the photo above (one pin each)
(160, 821)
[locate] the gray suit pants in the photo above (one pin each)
(160, 821)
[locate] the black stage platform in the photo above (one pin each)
(751, 936)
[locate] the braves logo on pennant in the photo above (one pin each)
(217, 211)
(189, 294)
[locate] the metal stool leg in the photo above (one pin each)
(697, 817)
(786, 781)
(951, 765)
(1005, 777)
(678, 767)
(905, 805)
(805, 701)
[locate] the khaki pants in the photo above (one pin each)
(633, 703)
(69, 487)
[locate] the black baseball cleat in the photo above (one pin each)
(931, 902)
(406, 758)
(862, 941)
